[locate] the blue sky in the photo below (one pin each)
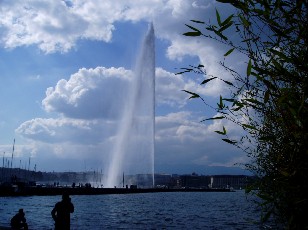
(49, 53)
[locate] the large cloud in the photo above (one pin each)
(57, 25)
(64, 130)
(90, 93)
(102, 92)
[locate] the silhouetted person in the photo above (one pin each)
(61, 213)
(19, 221)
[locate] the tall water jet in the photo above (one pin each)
(134, 146)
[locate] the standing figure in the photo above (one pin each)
(19, 221)
(61, 213)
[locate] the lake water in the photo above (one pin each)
(178, 210)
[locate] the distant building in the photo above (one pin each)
(227, 181)
(195, 181)
(214, 181)
(162, 180)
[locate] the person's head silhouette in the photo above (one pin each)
(65, 196)
(21, 212)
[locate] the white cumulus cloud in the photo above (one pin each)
(58, 25)
(90, 93)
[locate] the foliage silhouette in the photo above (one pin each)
(269, 101)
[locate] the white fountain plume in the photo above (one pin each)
(134, 148)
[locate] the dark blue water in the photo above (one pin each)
(178, 210)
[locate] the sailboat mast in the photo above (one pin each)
(29, 164)
(3, 170)
(13, 154)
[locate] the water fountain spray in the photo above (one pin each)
(134, 145)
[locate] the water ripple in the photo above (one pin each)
(140, 211)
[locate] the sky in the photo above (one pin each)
(64, 64)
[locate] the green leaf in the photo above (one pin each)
(207, 80)
(225, 27)
(249, 68)
(266, 96)
(229, 141)
(229, 52)
(266, 216)
(237, 108)
(252, 100)
(227, 21)
(219, 132)
(193, 28)
(193, 34)
(277, 65)
(280, 54)
(186, 70)
(218, 17)
(196, 21)
(246, 40)
(181, 72)
(228, 99)
(227, 82)
(194, 95)
(258, 11)
(210, 28)
(244, 21)
(249, 126)
(214, 118)
(221, 104)
(223, 132)
(220, 35)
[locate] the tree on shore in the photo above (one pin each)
(269, 101)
